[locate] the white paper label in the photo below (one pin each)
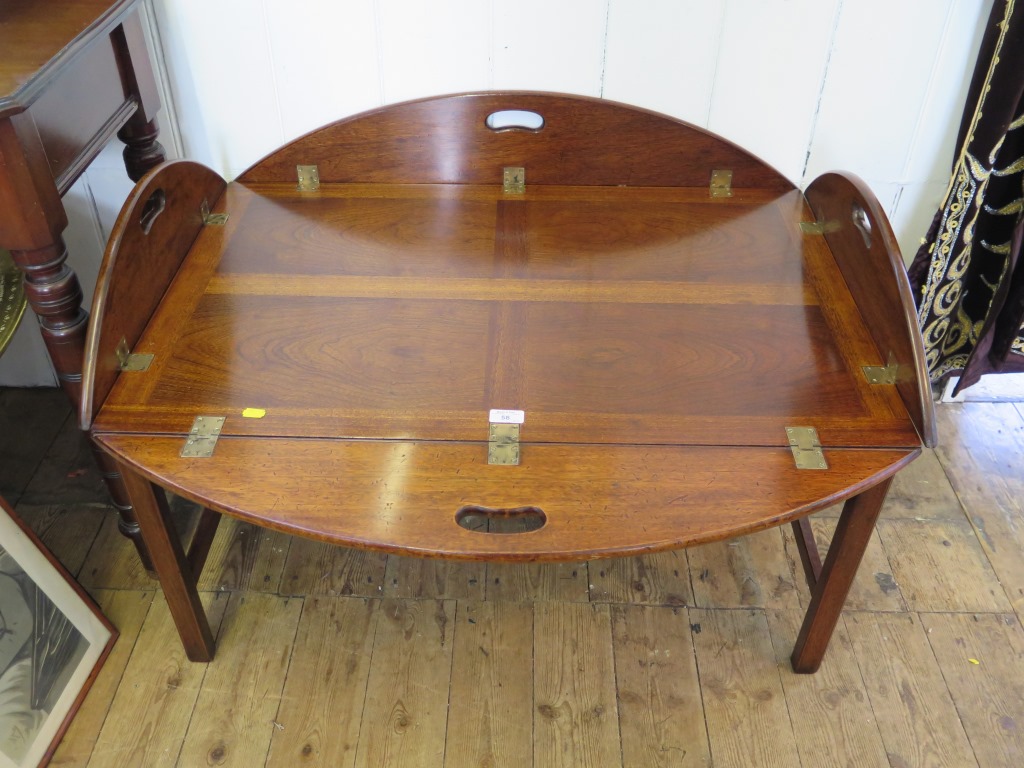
(499, 416)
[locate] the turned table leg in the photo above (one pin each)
(55, 296)
(142, 151)
(829, 592)
(127, 522)
(176, 573)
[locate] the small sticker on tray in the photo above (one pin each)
(254, 413)
(499, 416)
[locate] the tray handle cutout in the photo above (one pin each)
(151, 209)
(515, 120)
(862, 222)
(478, 519)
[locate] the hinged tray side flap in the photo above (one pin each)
(865, 249)
(573, 140)
(154, 232)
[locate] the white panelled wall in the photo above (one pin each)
(875, 87)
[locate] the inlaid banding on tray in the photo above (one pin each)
(506, 289)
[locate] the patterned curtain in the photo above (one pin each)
(969, 275)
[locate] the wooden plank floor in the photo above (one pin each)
(332, 657)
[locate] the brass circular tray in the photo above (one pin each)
(12, 299)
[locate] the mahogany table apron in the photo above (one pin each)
(72, 74)
(379, 336)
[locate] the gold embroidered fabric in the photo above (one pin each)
(12, 299)
(969, 274)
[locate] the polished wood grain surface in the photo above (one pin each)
(864, 246)
(410, 315)
(598, 500)
(159, 237)
(660, 338)
(582, 141)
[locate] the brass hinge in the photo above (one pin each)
(819, 227)
(882, 374)
(803, 441)
(513, 180)
(721, 183)
(131, 362)
(309, 178)
(202, 438)
(503, 444)
(212, 219)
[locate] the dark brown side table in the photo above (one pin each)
(73, 73)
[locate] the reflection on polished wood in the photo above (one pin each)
(659, 339)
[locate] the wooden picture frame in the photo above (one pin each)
(53, 641)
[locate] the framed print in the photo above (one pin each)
(53, 641)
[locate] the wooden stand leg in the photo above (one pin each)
(172, 566)
(829, 593)
(809, 557)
